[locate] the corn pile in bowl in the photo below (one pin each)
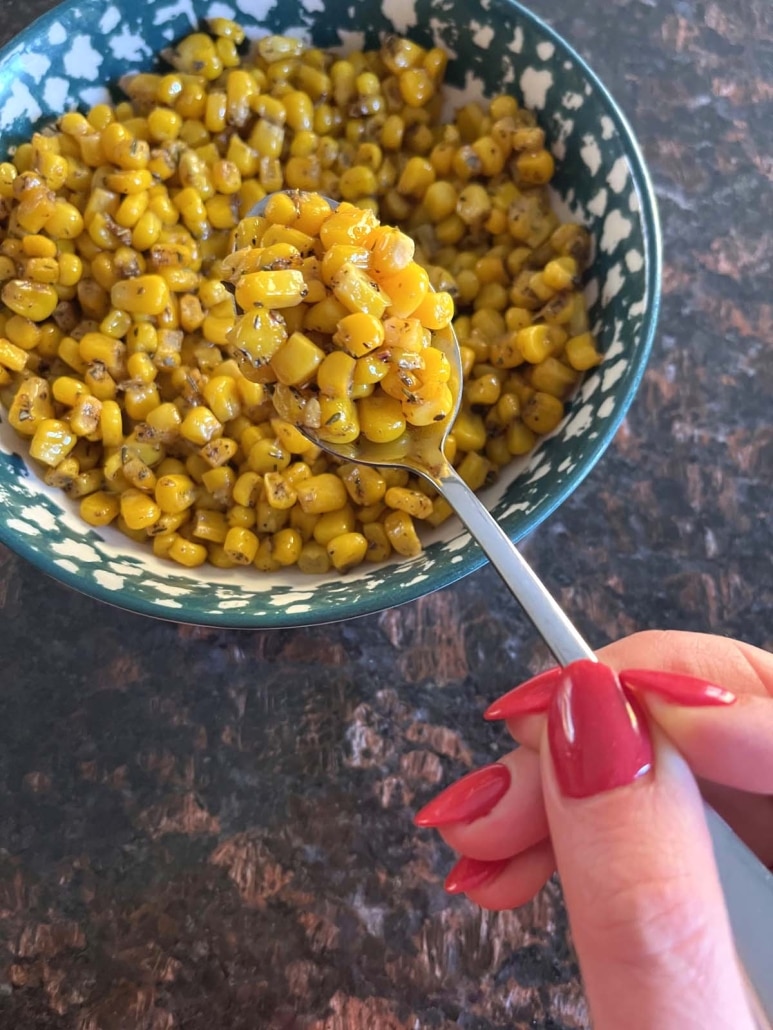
(599, 168)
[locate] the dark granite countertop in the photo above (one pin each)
(213, 829)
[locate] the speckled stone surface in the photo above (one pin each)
(212, 829)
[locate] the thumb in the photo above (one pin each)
(636, 865)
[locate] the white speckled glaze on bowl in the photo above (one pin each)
(65, 59)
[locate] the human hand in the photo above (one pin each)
(603, 789)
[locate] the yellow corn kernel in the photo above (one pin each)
(406, 289)
(290, 437)
(335, 374)
(279, 493)
(138, 510)
(209, 525)
(99, 508)
(111, 423)
(67, 390)
(287, 545)
(554, 377)
(534, 343)
(32, 300)
(413, 502)
(534, 169)
(31, 406)
(347, 551)
(474, 469)
(313, 559)
(218, 452)
(484, 389)
(358, 292)
(381, 418)
(267, 455)
(321, 493)
(435, 311)
(175, 493)
(401, 533)
(11, 356)
(331, 524)
(200, 426)
(520, 439)
(359, 333)
(241, 545)
(379, 547)
(219, 482)
(184, 552)
(542, 413)
(296, 361)
(469, 431)
(86, 483)
(85, 416)
(145, 295)
(581, 352)
(52, 442)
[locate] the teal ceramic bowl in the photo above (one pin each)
(64, 61)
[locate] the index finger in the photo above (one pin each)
(732, 745)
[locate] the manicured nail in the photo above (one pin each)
(469, 873)
(681, 690)
(469, 799)
(598, 737)
(530, 698)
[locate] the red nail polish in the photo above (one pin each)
(681, 690)
(598, 736)
(469, 873)
(469, 799)
(530, 698)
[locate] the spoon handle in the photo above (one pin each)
(747, 885)
(547, 617)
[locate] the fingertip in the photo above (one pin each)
(506, 884)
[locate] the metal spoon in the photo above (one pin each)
(747, 885)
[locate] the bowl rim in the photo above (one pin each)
(473, 557)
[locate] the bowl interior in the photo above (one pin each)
(65, 59)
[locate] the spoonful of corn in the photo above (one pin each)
(375, 377)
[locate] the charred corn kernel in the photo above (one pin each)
(364, 484)
(139, 474)
(86, 483)
(542, 413)
(52, 442)
(401, 533)
(175, 493)
(413, 502)
(164, 422)
(138, 510)
(99, 508)
(581, 352)
(279, 492)
(218, 452)
(185, 552)
(31, 406)
(381, 418)
(85, 416)
(241, 545)
(11, 356)
(297, 359)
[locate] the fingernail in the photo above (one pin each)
(469, 873)
(598, 737)
(469, 799)
(530, 698)
(681, 690)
